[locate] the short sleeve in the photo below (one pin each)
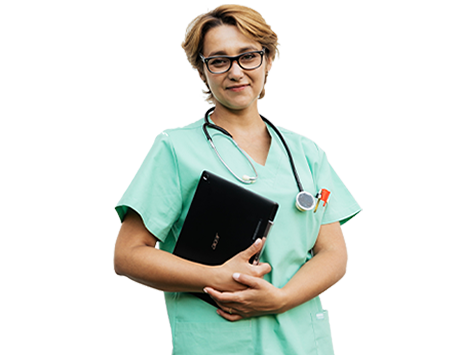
(341, 206)
(155, 192)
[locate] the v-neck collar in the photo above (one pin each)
(273, 136)
(275, 156)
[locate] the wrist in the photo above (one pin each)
(213, 277)
(219, 279)
(283, 301)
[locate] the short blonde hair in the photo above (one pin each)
(248, 21)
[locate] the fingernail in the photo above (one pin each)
(205, 290)
(258, 241)
(236, 275)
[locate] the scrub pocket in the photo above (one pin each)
(322, 333)
(213, 338)
(317, 222)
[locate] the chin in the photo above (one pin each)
(238, 104)
(236, 107)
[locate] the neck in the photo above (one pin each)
(238, 121)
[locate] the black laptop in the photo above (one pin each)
(223, 220)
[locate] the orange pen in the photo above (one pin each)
(322, 196)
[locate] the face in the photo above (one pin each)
(236, 89)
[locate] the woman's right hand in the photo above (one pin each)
(224, 281)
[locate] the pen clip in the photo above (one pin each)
(323, 196)
(318, 196)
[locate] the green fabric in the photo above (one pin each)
(161, 193)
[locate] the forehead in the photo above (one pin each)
(227, 40)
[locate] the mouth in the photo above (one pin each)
(237, 87)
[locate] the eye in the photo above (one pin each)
(218, 62)
(249, 57)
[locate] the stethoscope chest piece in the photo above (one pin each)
(305, 201)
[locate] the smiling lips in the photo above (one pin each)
(238, 87)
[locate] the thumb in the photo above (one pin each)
(253, 249)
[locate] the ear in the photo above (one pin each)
(268, 64)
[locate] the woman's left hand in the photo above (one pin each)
(258, 299)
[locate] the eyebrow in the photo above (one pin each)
(242, 50)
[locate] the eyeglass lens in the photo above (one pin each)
(246, 61)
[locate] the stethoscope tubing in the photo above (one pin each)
(224, 131)
(248, 180)
(292, 163)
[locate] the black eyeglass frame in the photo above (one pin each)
(205, 60)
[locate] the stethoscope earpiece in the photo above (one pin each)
(249, 179)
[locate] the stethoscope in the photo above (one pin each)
(304, 200)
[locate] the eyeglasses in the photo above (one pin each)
(222, 63)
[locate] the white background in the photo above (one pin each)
(56, 144)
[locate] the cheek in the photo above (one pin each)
(261, 75)
(213, 83)
(260, 80)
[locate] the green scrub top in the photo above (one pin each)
(161, 194)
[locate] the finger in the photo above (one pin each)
(255, 248)
(252, 282)
(224, 307)
(220, 297)
(227, 316)
(262, 269)
(212, 292)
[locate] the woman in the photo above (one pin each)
(269, 308)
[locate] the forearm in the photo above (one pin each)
(141, 262)
(317, 275)
(163, 271)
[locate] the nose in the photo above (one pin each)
(235, 72)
